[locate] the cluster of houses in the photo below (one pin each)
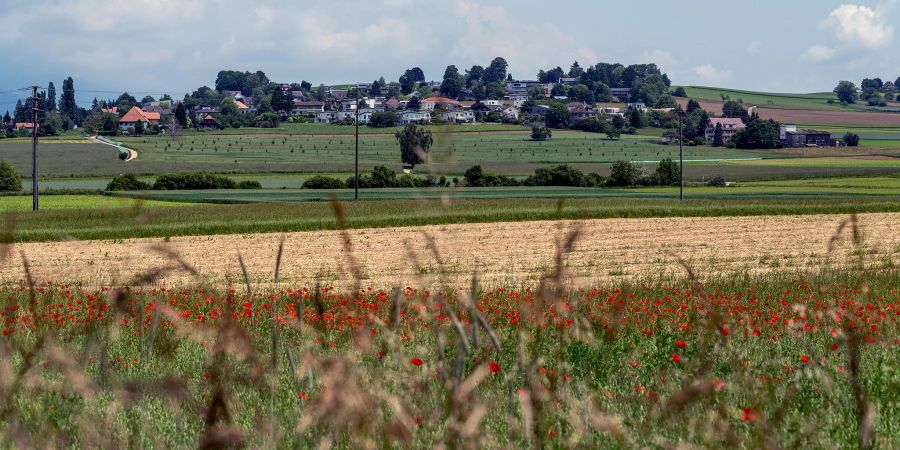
(789, 135)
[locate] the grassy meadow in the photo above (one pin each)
(812, 101)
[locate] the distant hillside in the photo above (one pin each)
(814, 101)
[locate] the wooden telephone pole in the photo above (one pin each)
(34, 148)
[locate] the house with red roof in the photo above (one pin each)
(730, 126)
(24, 126)
(135, 115)
(209, 123)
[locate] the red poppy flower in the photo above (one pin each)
(834, 347)
(416, 361)
(380, 355)
(302, 396)
(206, 376)
(749, 415)
(676, 358)
(494, 366)
(635, 364)
(804, 358)
(680, 344)
(725, 331)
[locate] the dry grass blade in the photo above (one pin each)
(278, 259)
(865, 414)
(171, 254)
(151, 337)
(398, 299)
(32, 299)
(8, 235)
(687, 268)
(341, 220)
(490, 331)
(457, 325)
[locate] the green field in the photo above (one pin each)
(205, 219)
(336, 130)
(814, 101)
(9, 203)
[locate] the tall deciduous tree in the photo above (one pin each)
(51, 97)
(67, 106)
(847, 91)
(718, 136)
(414, 145)
(451, 87)
(496, 72)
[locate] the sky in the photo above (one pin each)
(174, 46)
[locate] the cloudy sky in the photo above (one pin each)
(154, 46)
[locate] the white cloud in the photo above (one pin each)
(662, 58)
(710, 73)
(857, 24)
(818, 53)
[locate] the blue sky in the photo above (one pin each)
(174, 46)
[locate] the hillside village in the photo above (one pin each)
(611, 99)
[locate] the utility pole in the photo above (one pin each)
(681, 153)
(34, 148)
(356, 166)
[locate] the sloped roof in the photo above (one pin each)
(726, 121)
(440, 100)
(136, 114)
(241, 105)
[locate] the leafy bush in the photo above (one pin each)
(384, 119)
(192, 181)
(127, 182)
(563, 175)
(667, 173)
(718, 182)
(623, 173)
(323, 182)
(851, 140)
(9, 178)
(267, 120)
(539, 133)
(249, 184)
(476, 177)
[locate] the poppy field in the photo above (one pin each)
(785, 359)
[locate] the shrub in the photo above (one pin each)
(594, 180)
(476, 177)
(539, 133)
(384, 119)
(667, 173)
(718, 182)
(679, 92)
(127, 182)
(123, 155)
(323, 182)
(851, 140)
(249, 184)
(192, 181)
(563, 175)
(623, 173)
(9, 178)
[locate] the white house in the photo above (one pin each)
(490, 102)
(325, 117)
(417, 117)
(638, 106)
(510, 113)
(460, 116)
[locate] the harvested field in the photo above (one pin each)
(847, 118)
(511, 254)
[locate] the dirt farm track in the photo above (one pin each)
(507, 254)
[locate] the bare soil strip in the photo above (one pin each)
(509, 254)
(797, 116)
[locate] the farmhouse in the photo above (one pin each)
(301, 108)
(581, 111)
(242, 107)
(521, 87)
(24, 126)
(135, 115)
(209, 123)
(799, 138)
(729, 127)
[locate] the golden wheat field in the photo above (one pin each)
(511, 254)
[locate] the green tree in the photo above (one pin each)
(9, 178)
(496, 72)
(67, 106)
(847, 92)
(667, 173)
(582, 93)
(692, 105)
(127, 182)
(558, 116)
(679, 92)
(267, 120)
(280, 101)
(384, 119)
(474, 75)
(51, 97)
(623, 173)
(539, 133)
(636, 118)
(735, 109)
(414, 145)
(181, 114)
(406, 85)
(602, 93)
(851, 140)
(451, 85)
(718, 136)
(759, 134)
